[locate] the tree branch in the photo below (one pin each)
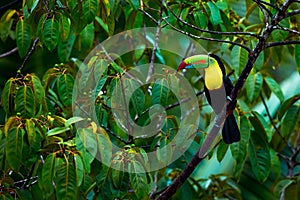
(151, 65)
(292, 13)
(273, 44)
(210, 31)
(229, 106)
(208, 39)
(14, 50)
(198, 157)
(9, 5)
(28, 55)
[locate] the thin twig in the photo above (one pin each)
(289, 30)
(107, 129)
(198, 157)
(266, 13)
(268, 4)
(208, 39)
(9, 5)
(292, 13)
(14, 50)
(210, 31)
(289, 42)
(271, 120)
(151, 65)
(28, 55)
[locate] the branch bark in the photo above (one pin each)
(253, 55)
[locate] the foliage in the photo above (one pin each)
(43, 155)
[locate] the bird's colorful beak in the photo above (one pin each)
(196, 61)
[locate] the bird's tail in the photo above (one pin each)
(230, 130)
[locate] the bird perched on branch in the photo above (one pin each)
(217, 88)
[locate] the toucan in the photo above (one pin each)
(217, 88)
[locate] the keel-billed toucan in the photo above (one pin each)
(215, 80)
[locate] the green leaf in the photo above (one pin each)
(24, 102)
(275, 88)
(254, 85)
(79, 168)
(66, 182)
(105, 147)
(215, 16)
(38, 89)
(73, 120)
(164, 152)
(14, 146)
(239, 58)
(289, 121)
(117, 172)
(286, 105)
(7, 98)
(86, 143)
(90, 9)
(48, 172)
(30, 130)
(221, 152)
(64, 27)
(259, 61)
(297, 56)
(137, 98)
(50, 33)
(102, 24)
(64, 49)
(239, 149)
(275, 164)
(57, 130)
(23, 37)
(65, 85)
(135, 4)
(259, 153)
(260, 125)
(160, 92)
(200, 19)
(87, 36)
(138, 179)
(281, 186)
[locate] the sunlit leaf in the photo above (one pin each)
(289, 121)
(254, 85)
(286, 105)
(239, 149)
(57, 130)
(275, 88)
(239, 57)
(259, 153)
(297, 56)
(221, 152)
(79, 168)
(215, 13)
